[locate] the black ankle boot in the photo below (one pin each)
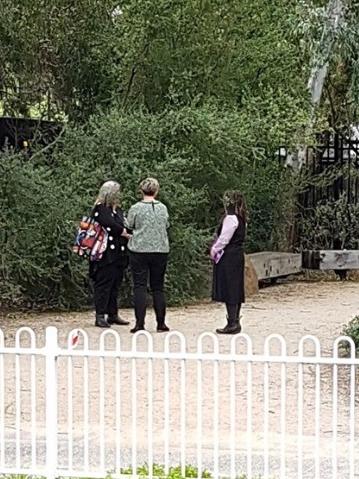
(229, 329)
(117, 320)
(136, 328)
(162, 328)
(238, 322)
(101, 321)
(232, 327)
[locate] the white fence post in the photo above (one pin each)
(51, 354)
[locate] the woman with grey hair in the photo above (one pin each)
(107, 273)
(149, 248)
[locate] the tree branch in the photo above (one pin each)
(129, 85)
(332, 107)
(50, 145)
(132, 76)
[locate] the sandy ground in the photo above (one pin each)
(292, 310)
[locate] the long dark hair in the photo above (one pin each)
(234, 204)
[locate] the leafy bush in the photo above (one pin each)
(196, 153)
(37, 228)
(352, 330)
(173, 472)
(333, 224)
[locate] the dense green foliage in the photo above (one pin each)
(331, 225)
(340, 96)
(199, 93)
(174, 472)
(196, 154)
(75, 57)
(352, 330)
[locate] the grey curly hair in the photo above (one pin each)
(109, 194)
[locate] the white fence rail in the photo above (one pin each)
(72, 410)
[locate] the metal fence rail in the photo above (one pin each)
(81, 411)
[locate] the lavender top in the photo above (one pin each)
(229, 226)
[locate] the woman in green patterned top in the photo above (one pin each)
(149, 248)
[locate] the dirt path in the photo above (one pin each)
(293, 310)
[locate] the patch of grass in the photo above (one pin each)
(158, 471)
(173, 473)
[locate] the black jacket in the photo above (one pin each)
(113, 222)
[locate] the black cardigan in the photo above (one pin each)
(113, 222)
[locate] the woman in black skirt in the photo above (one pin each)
(227, 254)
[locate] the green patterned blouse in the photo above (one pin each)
(148, 222)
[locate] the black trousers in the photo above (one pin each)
(152, 265)
(107, 281)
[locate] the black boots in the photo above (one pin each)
(117, 320)
(136, 328)
(101, 321)
(162, 328)
(232, 327)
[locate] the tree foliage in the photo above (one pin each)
(341, 90)
(200, 93)
(75, 57)
(195, 153)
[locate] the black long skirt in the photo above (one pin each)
(228, 278)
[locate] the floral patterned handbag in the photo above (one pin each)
(91, 239)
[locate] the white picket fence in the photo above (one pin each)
(75, 411)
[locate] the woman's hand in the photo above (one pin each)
(216, 254)
(125, 234)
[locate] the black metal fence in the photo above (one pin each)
(23, 133)
(332, 168)
(330, 171)
(342, 153)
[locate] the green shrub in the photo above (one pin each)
(196, 153)
(36, 229)
(331, 224)
(352, 330)
(173, 473)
